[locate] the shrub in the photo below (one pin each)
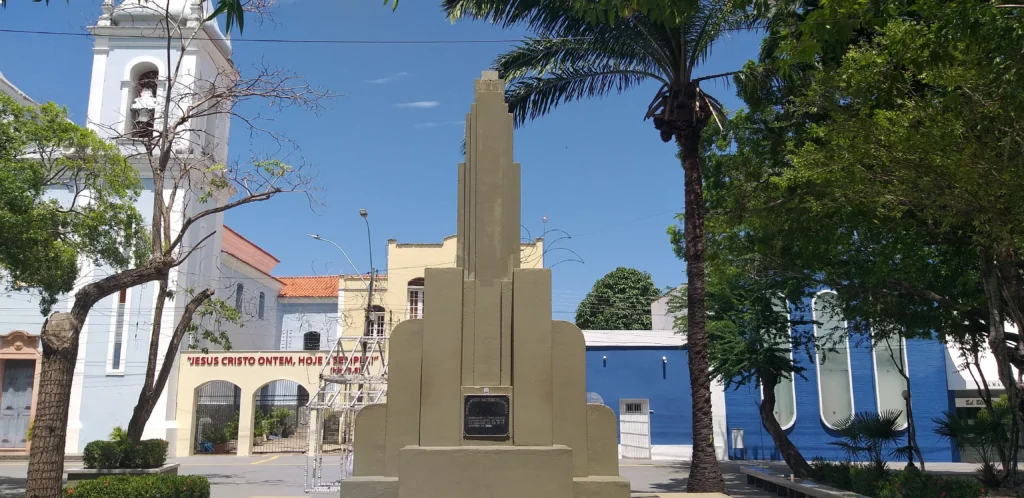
(914, 483)
(148, 486)
(148, 454)
(101, 455)
(834, 474)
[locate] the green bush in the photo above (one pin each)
(147, 486)
(834, 474)
(101, 455)
(914, 483)
(121, 454)
(868, 480)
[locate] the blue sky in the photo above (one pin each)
(594, 168)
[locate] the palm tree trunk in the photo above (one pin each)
(50, 427)
(794, 459)
(705, 476)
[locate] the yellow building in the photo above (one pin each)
(398, 294)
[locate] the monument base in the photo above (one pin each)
(600, 487)
(492, 471)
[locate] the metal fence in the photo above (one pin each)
(281, 423)
(217, 424)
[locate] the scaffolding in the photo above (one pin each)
(355, 375)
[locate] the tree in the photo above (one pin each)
(232, 10)
(620, 300)
(889, 173)
(751, 334)
(167, 140)
(573, 58)
(42, 240)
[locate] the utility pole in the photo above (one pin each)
(368, 327)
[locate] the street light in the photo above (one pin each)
(343, 253)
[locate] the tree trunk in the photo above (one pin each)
(705, 476)
(153, 388)
(60, 336)
(50, 427)
(794, 459)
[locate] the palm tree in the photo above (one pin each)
(572, 58)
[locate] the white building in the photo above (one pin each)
(129, 67)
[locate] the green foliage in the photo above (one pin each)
(120, 453)
(989, 435)
(911, 483)
(41, 239)
(208, 322)
(102, 455)
(142, 486)
(914, 483)
(872, 436)
(620, 300)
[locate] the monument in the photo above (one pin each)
(487, 394)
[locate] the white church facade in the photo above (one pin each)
(129, 70)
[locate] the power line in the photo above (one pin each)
(294, 40)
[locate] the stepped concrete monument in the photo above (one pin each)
(486, 394)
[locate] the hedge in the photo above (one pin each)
(148, 454)
(145, 486)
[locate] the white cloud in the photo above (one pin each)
(422, 104)
(438, 124)
(388, 79)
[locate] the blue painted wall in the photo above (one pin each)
(926, 363)
(637, 373)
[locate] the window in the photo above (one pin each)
(239, 290)
(377, 321)
(785, 389)
(117, 350)
(143, 102)
(263, 303)
(415, 298)
(890, 356)
(311, 341)
(832, 359)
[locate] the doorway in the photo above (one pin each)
(635, 428)
(16, 403)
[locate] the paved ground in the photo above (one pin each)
(282, 476)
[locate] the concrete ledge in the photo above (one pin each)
(798, 488)
(370, 486)
(75, 475)
(600, 487)
(23, 457)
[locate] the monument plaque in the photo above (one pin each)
(486, 416)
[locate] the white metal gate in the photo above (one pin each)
(635, 427)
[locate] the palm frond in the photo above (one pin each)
(530, 97)
(541, 16)
(541, 56)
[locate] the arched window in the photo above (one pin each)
(785, 389)
(377, 321)
(832, 359)
(142, 101)
(263, 304)
(415, 298)
(890, 356)
(311, 341)
(239, 290)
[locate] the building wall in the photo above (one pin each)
(254, 333)
(661, 318)
(636, 372)
(926, 364)
(297, 317)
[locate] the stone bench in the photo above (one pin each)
(76, 475)
(797, 488)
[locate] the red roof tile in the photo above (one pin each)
(325, 286)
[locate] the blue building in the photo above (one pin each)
(643, 376)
